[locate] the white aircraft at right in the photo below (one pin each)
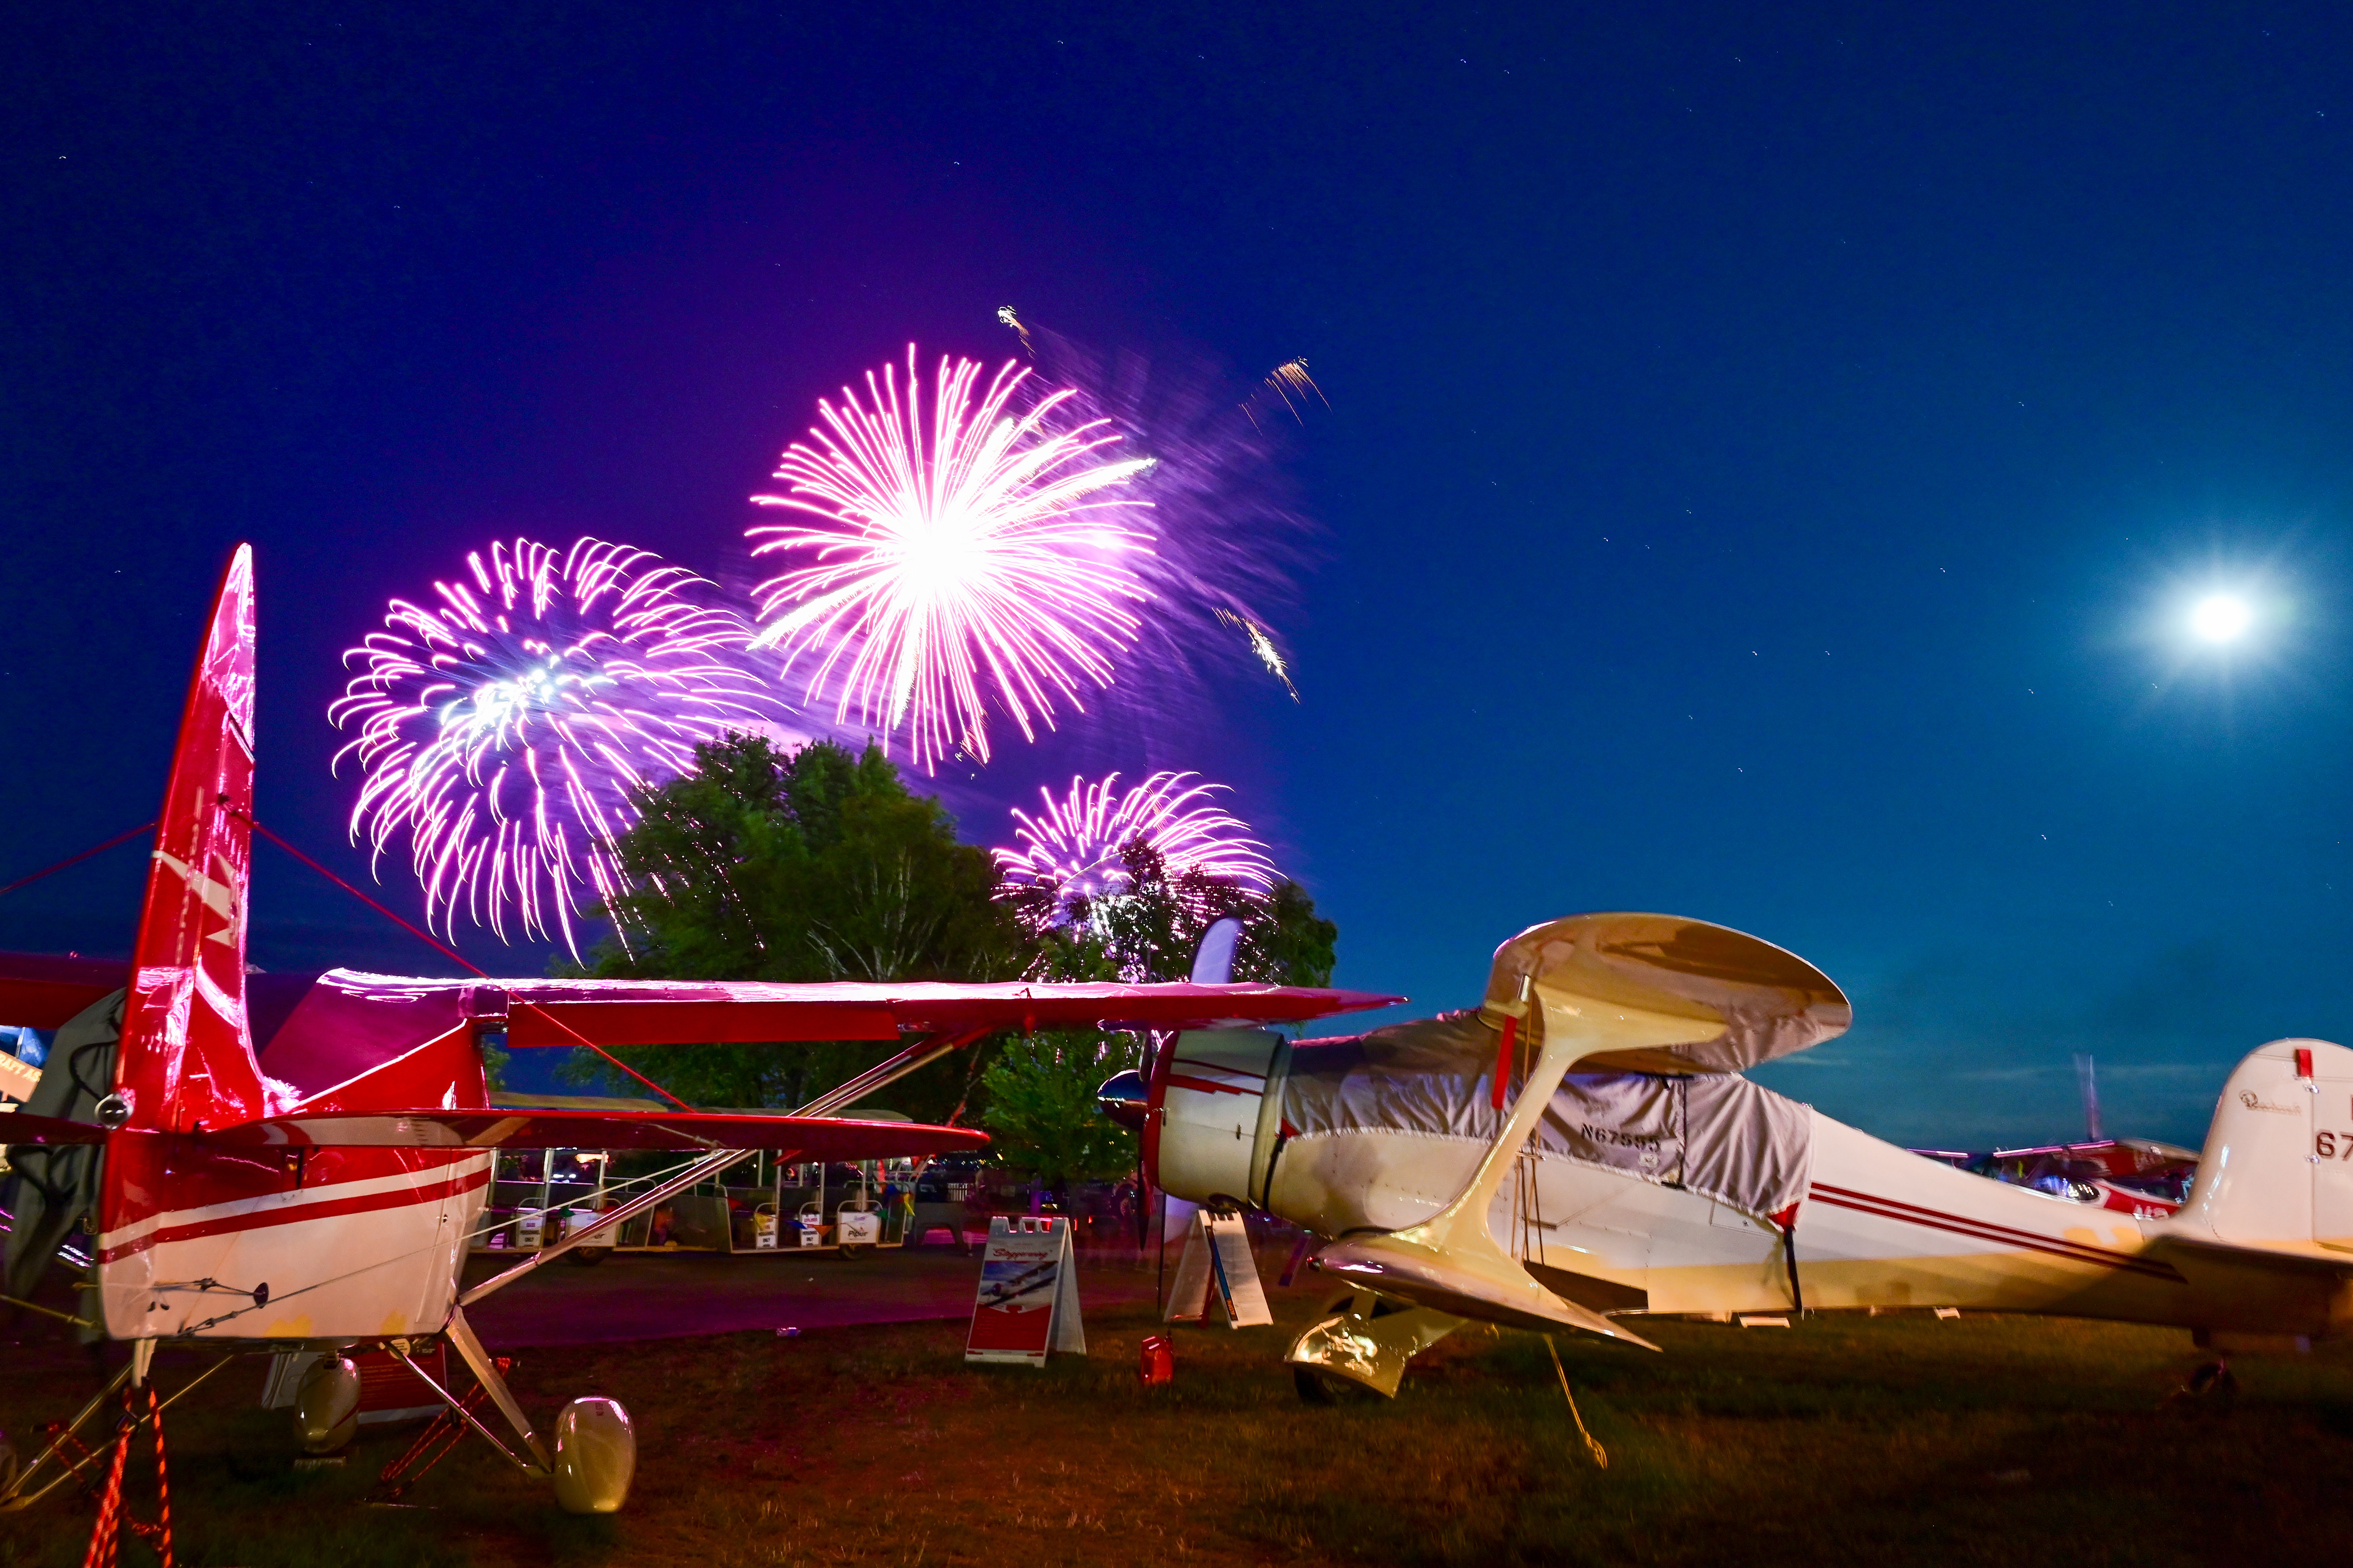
(1581, 1148)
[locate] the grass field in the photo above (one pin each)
(1845, 1439)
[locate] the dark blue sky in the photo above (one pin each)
(1770, 446)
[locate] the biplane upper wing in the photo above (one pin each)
(815, 1137)
(554, 1012)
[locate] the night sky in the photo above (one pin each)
(1772, 449)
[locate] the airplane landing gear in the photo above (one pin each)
(1363, 1342)
(2213, 1387)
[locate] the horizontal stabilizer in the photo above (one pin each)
(818, 1137)
(20, 1127)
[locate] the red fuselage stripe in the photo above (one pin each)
(1182, 1080)
(398, 1197)
(1980, 1230)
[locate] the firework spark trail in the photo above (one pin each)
(980, 557)
(1263, 645)
(1073, 845)
(1006, 317)
(1287, 381)
(503, 727)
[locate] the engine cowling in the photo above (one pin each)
(1215, 1114)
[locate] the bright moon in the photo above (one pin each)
(2220, 618)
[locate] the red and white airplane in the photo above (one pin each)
(319, 1193)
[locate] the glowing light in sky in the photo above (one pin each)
(966, 552)
(502, 726)
(1074, 844)
(1263, 645)
(1288, 381)
(2221, 617)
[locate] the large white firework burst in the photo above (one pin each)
(973, 555)
(1074, 845)
(502, 727)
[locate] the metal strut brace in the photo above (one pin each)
(463, 1414)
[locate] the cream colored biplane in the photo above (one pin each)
(1582, 1149)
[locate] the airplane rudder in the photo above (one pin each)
(2256, 1175)
(187, 1054)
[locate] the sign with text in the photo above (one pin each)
(1218, 1257)
(1029, 1300)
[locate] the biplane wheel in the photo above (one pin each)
(1324, 1389)
(2214, 1384)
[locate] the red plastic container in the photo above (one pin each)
(1158, 1362)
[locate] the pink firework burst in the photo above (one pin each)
(503, 726)
(968, 555)
(1074, 845)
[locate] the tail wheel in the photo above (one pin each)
(596, 1455)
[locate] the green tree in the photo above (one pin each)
(816, 865)
(1040, 1112)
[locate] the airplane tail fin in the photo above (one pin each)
(2278, 1172)
(187, 1056)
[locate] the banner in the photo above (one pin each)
(1028, 1298)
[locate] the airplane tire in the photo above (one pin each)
(596, 1455)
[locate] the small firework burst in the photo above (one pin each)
(1006, 317)
(1292, 387)
(1263, 645)
(503, 726)
(970, 556)
(1075, 845)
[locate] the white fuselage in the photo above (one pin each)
(368, 1245)
(2263, 1246)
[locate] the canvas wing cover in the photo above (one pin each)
(1715, 1133)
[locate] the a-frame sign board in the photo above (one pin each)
(1218, 1257)
(1029, 1300)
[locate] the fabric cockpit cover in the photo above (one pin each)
(1717, 1134)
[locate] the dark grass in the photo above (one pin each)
(1843, 1440)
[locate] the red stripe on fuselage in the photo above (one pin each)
(364, 1202)
(1182, 1080)
(1985, 1230)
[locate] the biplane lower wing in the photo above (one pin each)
(818, 1137)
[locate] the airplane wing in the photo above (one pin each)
(44, 990)
(816, 1137)
(558, 1012)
